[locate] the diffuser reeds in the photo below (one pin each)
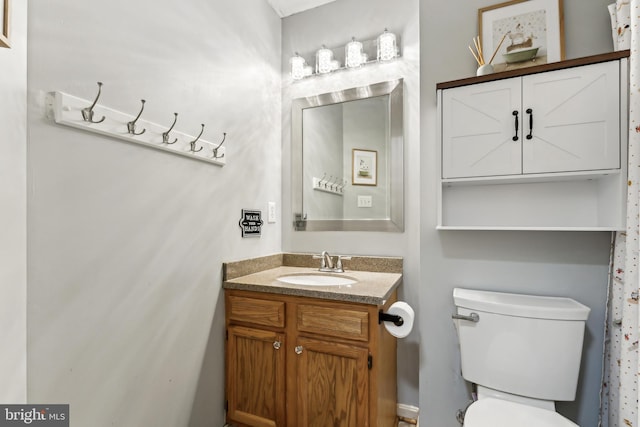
(479, 55)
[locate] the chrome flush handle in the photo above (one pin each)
(473, 317)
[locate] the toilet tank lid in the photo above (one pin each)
(532, 306)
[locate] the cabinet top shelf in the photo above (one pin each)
(535, 69)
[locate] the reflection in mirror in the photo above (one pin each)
(347, 160)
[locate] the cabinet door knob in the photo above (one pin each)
(530, 113)
(298, 349)
(277, 345)
(515, 113)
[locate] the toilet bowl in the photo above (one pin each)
(522, 352)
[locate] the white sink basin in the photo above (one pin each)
(317, 280)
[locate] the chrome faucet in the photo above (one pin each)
(327, 262)
(327, 265)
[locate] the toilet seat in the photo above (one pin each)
(490, 412)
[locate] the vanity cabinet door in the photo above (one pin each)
(479, 125)
(333, 384)
(575, 117)
(255, 377)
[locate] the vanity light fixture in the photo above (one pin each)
(353, 54)
(324, 61)
(387, 48)
(356, 54)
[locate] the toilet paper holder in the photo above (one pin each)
(386, 317)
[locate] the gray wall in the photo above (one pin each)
(126, 243)
(13, 211)
(366, 128)
(549, 263)
(322, 159)
(334, 24)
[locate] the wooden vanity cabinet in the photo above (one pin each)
(307, 362)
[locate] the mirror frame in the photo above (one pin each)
(395, 223)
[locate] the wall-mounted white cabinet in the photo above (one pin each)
(540, 148)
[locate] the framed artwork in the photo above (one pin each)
(364, 167)
(5, 20)
(523, 33)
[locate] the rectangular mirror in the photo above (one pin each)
(347, 160)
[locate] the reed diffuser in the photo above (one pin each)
(484, 68)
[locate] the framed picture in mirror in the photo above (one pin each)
(364, 167)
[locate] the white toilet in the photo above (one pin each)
(523, 353)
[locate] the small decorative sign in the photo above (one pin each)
(251, 223)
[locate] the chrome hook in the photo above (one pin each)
(87, 113)
(334, 183)
(327, 181)
(215, 150)
(193, 143)
(131, 126)
(165, 135)
(321, 180)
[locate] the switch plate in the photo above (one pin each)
(271, 213)
(365, 201)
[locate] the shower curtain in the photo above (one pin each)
(619, 406)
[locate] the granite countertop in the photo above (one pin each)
(372, 287)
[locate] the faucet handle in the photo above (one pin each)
(338, 268)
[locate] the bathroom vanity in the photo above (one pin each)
(307, 354)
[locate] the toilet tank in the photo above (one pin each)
(521, 344)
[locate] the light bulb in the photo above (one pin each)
(353, 54)
(324, 59)
(297, 67)
(387, 46)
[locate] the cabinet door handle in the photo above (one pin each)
(515, 113)
(277, 345)
(298, 349)
(530, 113)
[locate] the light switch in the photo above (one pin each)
(271, 213)
(365, 201)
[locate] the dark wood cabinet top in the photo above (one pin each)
(535, 69)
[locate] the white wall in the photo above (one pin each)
(549, 263)
(333, 25)
(126, 243)
(13, 210)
